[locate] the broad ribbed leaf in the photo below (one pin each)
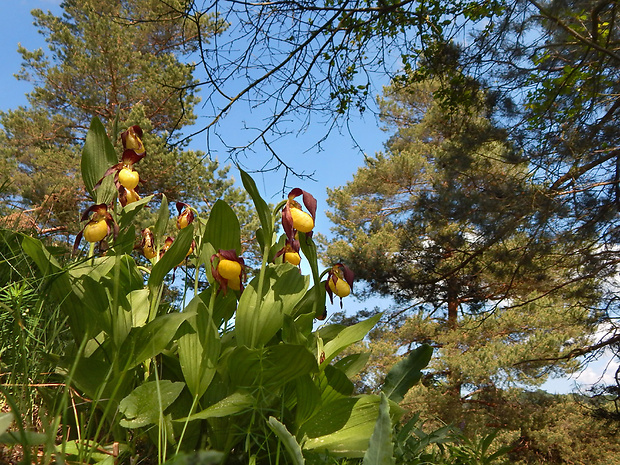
(231, 405)
(24, 438)
(222, 230)
(271, 366)
(381, 449)
(145, 403)
(352, 364)
(333, 384)
(308, 398)
(173, 257)
(258, 320)
(161, 224)
(151, 339)
(348, 336)
(199, 350)
(406, 373)
(5, 421)
(130, 210)
(98, 155)
(60, 288)
(343, 427)
(290, 443)
(262, 209)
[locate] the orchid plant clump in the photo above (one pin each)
(240, 370)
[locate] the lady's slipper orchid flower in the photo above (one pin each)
(292, 257)
(127, 196)
(290, 252)
(167, 243)
(148, 244)
(229, 271)
(132, 140)
(128, 178)
(339, 282)
(294, 218)
(186, 215)
(133, 151)
(100, 225)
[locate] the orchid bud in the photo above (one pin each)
(186, 215)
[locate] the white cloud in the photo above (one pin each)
(602, 371)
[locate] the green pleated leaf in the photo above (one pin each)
(173, 257)
(333, 384)
(343, 427)
(101, 454)
(98, 155)
(89, 375)
(24, 438)
(271, 366)
(5, 421)
(308, 398)
(129, 211)
(145, 403)
(352, 364)
(348, 336)
(262, 209)
(151, 339)
(199, 350)
(290, 443)
(258, 320)
(223, 230)
(406, 373)
(161, 224)
(139, 303)
(60, 288)
(381, 449)
(231, 405)
(201, 457)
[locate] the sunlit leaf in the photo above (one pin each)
(231, 405)
(406, 373)
(262, 209)
(151, 339)
(290, 443)
(98, 155)
(258, 320)
(199, 350)
(173, 256)
(343, 427)
(222, 230)
(147, 402)
(381, 449)
(161, 224)
(270, 366)
(348, 336)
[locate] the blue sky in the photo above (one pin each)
(333, 166)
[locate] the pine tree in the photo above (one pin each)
(450, 223)
(120, 61)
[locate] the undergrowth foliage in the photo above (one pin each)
(239, 372)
